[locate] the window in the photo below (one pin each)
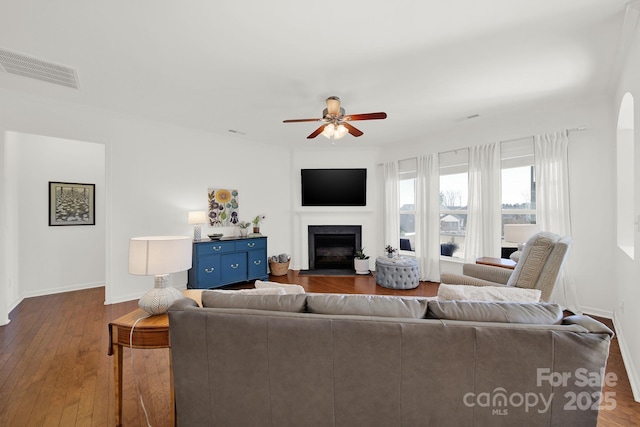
(454, 188)
(518, 195)
(518, 186)
(407, 178)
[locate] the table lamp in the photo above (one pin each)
(519, 233)
(159, 256)
(196, 218)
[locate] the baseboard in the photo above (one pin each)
(62, 289)
(632, 372)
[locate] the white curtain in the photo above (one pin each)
(428, 217)
(391, 210)
(484, 222)
(553, 212)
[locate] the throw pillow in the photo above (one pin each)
(289, 289)
(487, 293)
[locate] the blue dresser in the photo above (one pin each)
(230, 260)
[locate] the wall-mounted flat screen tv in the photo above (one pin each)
(334, 187)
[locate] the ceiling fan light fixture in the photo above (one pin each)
(333, 131)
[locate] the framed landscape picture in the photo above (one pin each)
(71, 203)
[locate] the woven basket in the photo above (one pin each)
(279, 268)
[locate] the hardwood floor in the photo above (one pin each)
(54, 368)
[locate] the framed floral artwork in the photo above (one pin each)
(71, 203)
(222, 207)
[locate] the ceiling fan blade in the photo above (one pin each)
(353, 131)
(367, 116)
(301, 120)
(316, 132)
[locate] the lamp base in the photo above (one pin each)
(197, 233)
(159, 299)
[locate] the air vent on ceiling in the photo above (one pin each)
(36, 68)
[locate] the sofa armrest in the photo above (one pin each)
(182, 304)
(589, 323)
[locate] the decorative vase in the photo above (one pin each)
(244, 232)
(390, 254)
(256, 229)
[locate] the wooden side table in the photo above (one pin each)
(149, 332)
(497, 262)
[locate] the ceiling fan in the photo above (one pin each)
(336, 124)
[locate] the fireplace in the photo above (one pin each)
(333, 246)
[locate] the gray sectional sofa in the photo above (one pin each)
(362, 360)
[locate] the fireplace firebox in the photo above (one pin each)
(333, 246)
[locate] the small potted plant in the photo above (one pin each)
(256, 223)
(390, 250)
(361, 262)
(244, 228)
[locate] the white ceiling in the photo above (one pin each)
(247, 65)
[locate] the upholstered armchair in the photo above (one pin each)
(539, 267)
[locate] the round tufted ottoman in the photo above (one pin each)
(397, 273)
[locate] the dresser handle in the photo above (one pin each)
(209, 270)
(252, 244)
(258, 262)
(235, 265)
(216, 248)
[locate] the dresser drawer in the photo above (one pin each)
(209, 248)
(233, 267)
(257, 264)
(207, 271)
(251, 244)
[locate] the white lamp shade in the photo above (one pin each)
(519, 233)
(197, 217)
(149, 256)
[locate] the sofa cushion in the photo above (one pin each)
(292, 303)
(289, 289)
(367, 305)
(504, 312)
(487, 293)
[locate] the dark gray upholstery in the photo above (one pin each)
(248, 367)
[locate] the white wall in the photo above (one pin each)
(627, 271)
(54, 259)
(156, 173)
(327, 156)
